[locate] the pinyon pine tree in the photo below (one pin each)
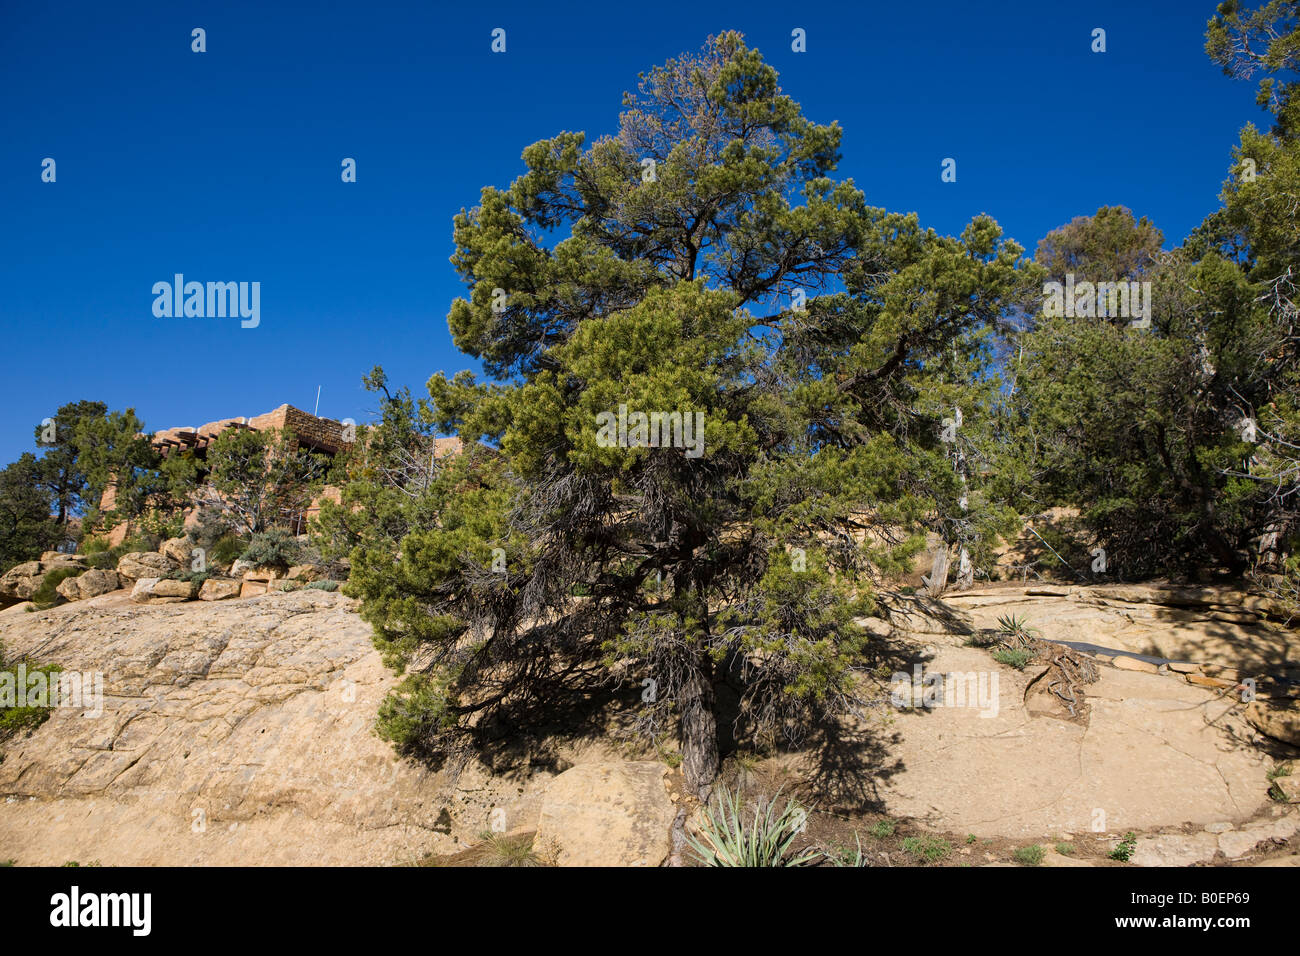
(698, 266)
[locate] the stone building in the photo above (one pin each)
(321, 435)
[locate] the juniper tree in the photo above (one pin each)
(265, 478)
(698, 266)
(26, 525)
(1178, 442)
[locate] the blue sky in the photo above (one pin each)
(225, 165)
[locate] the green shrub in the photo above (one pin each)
(184, 574)
(226, 549)
(1065, 849)
(324, 585)
(16, 720)
(162, 525)
(47, 595)
(727, 839)
(1028, 855)
(412, 714)
(926, 849)
(881, 829)
(289, 586)
(274, 548)
(1124, 851)
(1013, 658)
(1014, 628)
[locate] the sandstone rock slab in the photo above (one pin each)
(91, 584)
(134, 565)
(219, 589)
(609, 814)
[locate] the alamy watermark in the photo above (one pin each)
(215, 300)
(651, 430)
(75, 689)
(978, 689)
(1126, 300)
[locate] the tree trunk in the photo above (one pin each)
(699, 731)
(937, 582)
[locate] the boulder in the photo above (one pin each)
(168, 590)
(219, 707)
(1288, 787)
(61, 558)
(1238, 843)
(1279, 719)
(91, 584)
(20, 582)
(252, 588)
(57, 559)
(161, 591)
(608, 814)
(178, 549)
(138, 565)
(307, 572)
(219, 589)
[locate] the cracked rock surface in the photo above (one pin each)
(231, 733)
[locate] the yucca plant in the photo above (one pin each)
(1015, 629)
(726, 840)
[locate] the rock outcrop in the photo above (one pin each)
(162, 591)
(21, 581)
(134, 565)
(219, 589)
(232, 733)
(91, 584)
(179, 550)
(241, 732)
(1279, 719)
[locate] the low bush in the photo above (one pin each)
(1124, 850)
(15, 720)
(194, 577)
(227, 549)
(1013, 658)
(47, 595)
(274, 548)
(1028, 855)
